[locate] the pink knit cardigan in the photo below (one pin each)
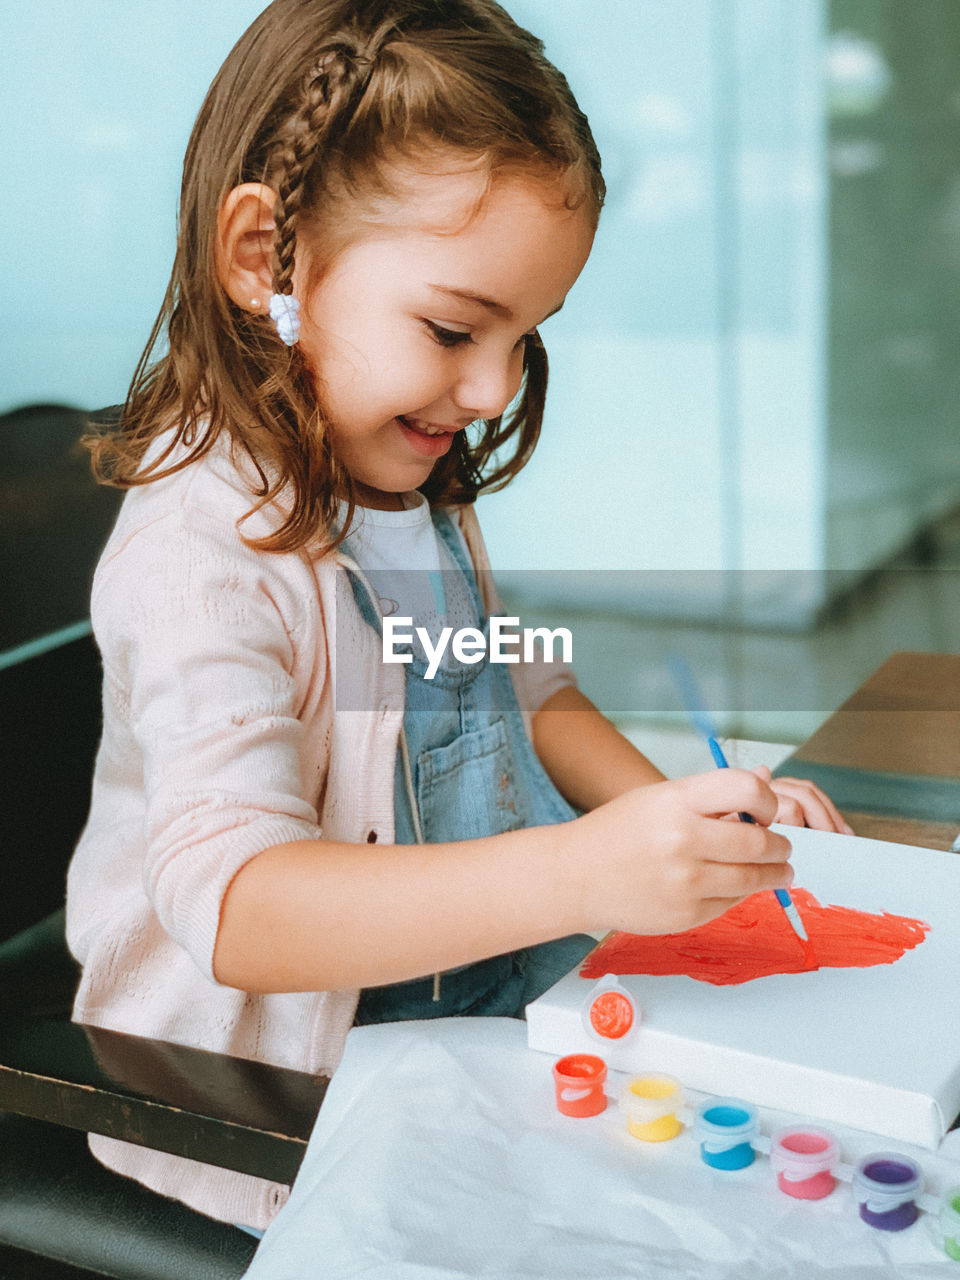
(222, 669)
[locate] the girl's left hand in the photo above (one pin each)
(804, 805)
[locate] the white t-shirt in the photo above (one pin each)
(409, 566)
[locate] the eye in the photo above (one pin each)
(446, 337)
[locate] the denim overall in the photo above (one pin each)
(474, 773)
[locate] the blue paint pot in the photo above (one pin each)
(885, 1185)
(725, 1128)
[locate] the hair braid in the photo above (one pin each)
(331, 90)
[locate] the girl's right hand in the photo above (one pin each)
(664, 859)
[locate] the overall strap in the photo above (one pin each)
(453, 541)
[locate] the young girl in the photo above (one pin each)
(382, 200)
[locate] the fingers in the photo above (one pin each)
(707, 889)
(682, 863)
(730, 791)
(746, 860)
(744, 843)
(801, 804)
(742, 879)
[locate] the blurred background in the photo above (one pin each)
(752, 446)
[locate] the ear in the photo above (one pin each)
(245, 245)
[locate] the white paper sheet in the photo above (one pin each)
(876, 1049)
(439, 1155)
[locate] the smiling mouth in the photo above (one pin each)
(428, 439)
(426, 428)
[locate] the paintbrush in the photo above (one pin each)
(693, 702)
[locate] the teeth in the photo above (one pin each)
(426, 428)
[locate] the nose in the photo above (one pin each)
(487, 382)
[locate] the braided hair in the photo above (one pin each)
(332, 88)
(315, 100)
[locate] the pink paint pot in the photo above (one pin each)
(804, 1158)
(579, 1078)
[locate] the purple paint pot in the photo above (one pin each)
(884, 1186)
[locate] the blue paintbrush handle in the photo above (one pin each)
(720, 760)
(687, 685)
(783, 897)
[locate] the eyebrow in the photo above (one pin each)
(467, 295)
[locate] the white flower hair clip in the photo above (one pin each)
(285, 314)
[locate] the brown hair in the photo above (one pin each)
(313, 100)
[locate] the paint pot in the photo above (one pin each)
(610, 1012)
(884, 1186)
(650, 1104)
(579, 1078)
(804, 1158)
(950, 1223)
(725, 1128)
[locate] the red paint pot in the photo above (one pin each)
(579, 1078)
(610, 1012)
(803, 1158)
(611, 1015)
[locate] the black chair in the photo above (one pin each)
(62, 1215)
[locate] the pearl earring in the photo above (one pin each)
(255, 303)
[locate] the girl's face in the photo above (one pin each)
(417, 327)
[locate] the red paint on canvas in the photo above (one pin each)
(754, 940)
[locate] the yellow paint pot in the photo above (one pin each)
(650, 1104)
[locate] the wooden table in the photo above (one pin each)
(890, 756)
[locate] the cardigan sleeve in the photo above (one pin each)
(198, 638)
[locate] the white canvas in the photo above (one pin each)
(876, 1049)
